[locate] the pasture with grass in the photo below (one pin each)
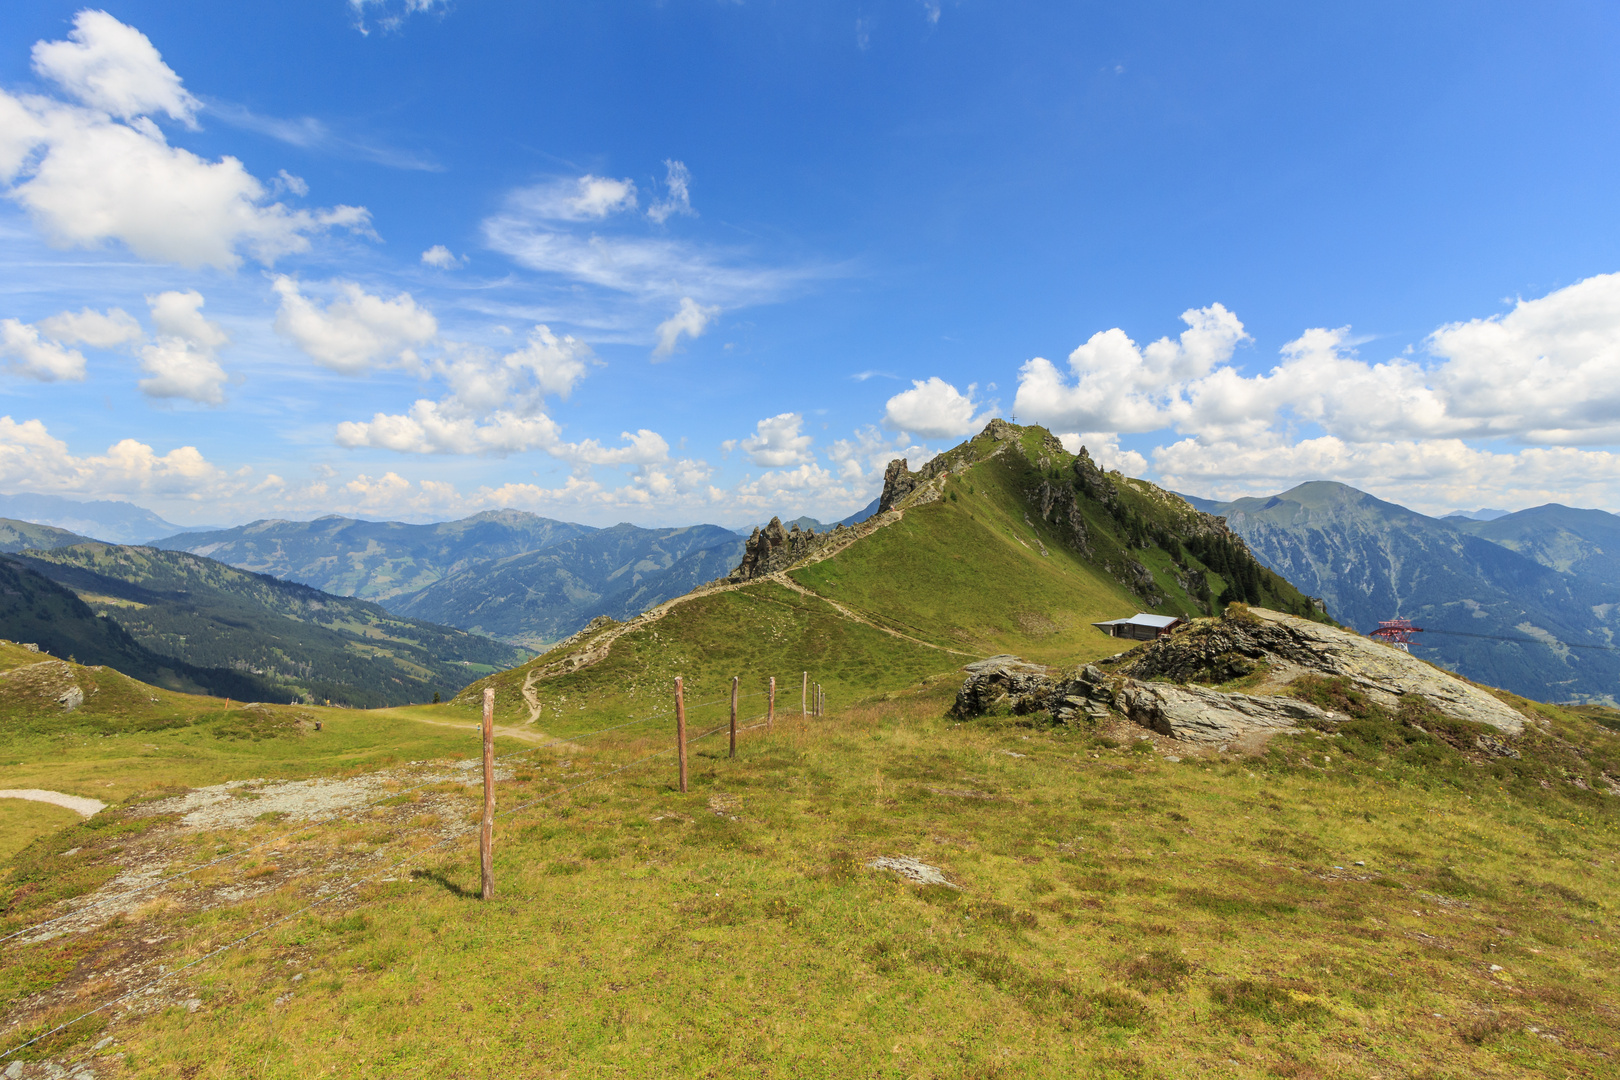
(1377, 890)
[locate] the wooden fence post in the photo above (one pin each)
(486, 834)
(804, 696)
(734, 716)
(770, 708)
(680, 729)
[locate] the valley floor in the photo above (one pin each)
(1118, 914)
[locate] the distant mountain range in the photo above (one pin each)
(118, 522)
(374, 560)
(1529, 601)
(543, 596)
(505, 573)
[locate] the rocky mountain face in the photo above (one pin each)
(1527, 601)
(775, 548)
(543, 596)
(1293, 673)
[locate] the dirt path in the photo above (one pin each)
(76, 803)
(522, 734)
(600, 646)
(531, 696)
(781, 578)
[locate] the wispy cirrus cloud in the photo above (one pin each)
(589, 235)
(318, 137)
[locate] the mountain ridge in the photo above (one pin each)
(1483, 603)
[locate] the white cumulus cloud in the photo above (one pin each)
(1120, 387)
(933, 409)
(32, 458)
(102, 170)
(31, 356)
(114, 68)
(776, 442)
(690, 320)
(180, 362)
(439, 256)
(356, 329)
(99, 330)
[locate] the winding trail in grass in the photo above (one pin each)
(531, 696)
(601, 645)
(781, 578)
(523, 734)
(77, 803)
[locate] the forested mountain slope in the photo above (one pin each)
(301, 642)
(1491, 610)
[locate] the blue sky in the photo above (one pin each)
(683, 261)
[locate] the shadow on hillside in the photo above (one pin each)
(438, 878)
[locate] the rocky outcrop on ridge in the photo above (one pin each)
(1242, 642)
(775, 548)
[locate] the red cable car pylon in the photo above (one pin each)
(1397, 632)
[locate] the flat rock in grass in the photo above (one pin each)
(912, 870)
(1195, 714)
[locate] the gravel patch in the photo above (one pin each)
(77, 803)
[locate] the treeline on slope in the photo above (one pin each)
(543, 596)
(291, 641)
(375, 560)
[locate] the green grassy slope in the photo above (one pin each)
(1299, 915)
(130, 737)
(27, 536)
(975, 572)
(297, 640)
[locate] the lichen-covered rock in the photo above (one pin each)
(1198, 714)
(1294, 645)
(1002, 681)
(1220, 649)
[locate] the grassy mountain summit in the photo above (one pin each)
(1564, 538)
(293, 640)
(1007, 543)
(28, 536)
